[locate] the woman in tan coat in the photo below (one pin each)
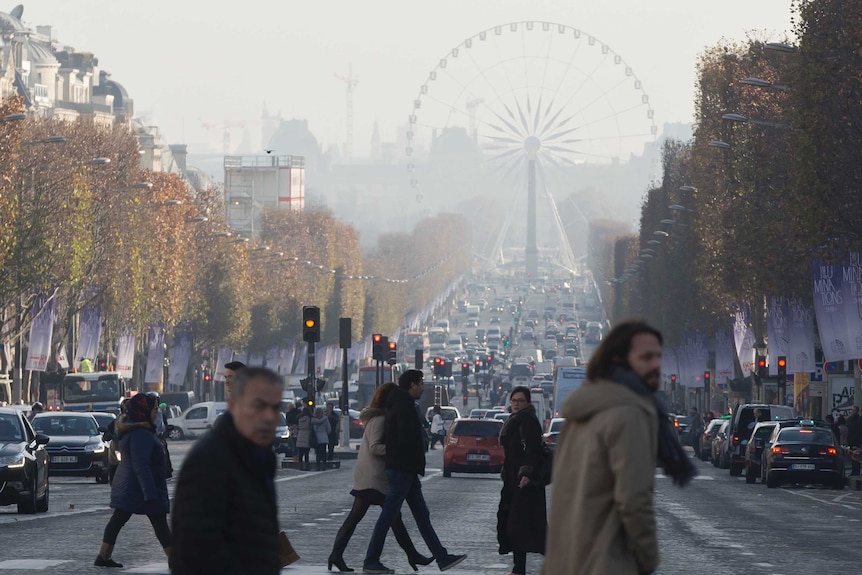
(370, 485)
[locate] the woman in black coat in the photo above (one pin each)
(140, 483)
(522, 520)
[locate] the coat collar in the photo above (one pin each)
(244, 449)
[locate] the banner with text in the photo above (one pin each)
(126, 355)
(724, 358)
(830, 294)
(155, 355)
(89, 334)
(800, 330)
(179, 356)
(41, 330)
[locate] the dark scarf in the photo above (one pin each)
(515, 419)
(674, 460)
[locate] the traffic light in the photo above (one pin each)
(438, 366)
(102, 364)
(309, 401)
(392, 358)
(377, 347)
(465, 369)
(311, 323)
(760, 364)
(465, 400)
(478, 365)
(207, 377)
(782, 368)
(673, 379)
(706, 379)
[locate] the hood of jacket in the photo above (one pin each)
(125, 425)
(370, 413)
(593, 398)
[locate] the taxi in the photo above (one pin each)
(804, 453)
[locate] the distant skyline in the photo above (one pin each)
(193, 62)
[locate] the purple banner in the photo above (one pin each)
(777, 331)
(41, 330)
(89, 334)
(155, 355)
(126, 355)
(179, 355)
(800, 328)
(743, 338)
(829, 309)
(852, 276)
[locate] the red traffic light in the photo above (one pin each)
(706, 375)
(393, 346)
(761, 363)
(377, 338)
(478, 363)
(490, 359)
(673, 378)
(465, 366)
(782, 362)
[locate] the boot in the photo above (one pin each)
(103, 559)
(414, 558)
(168, 553)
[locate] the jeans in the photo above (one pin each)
(403, 487)
(119, 518)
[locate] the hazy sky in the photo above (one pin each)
(187, 62)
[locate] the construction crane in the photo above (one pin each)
(225, 127)
(351, 82)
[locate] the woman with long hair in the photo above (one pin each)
(140, 484)
(370, 485)
(522, 520)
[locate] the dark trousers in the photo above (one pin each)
(357, 513)
(403, 487)
(330, 449)
(303, 454)
(520, 566)
(119, 518)
(320, 453)
(436, 438)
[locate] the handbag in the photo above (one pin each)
(543, 475)
(286, 553)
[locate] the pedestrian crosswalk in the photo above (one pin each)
(67, 566)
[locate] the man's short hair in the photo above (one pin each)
(243, 376)
(234, 365)
(409, 377)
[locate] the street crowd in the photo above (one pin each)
(225, 510)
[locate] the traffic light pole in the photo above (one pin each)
(312, 370)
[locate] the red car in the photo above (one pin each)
(473, 446)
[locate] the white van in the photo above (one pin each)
(443, 323)
(196, 420)
(454, 344)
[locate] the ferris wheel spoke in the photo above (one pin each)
(510, 125)
(609, 116)
(604, 95)
(536, 118)
(524, 123)
(585, 81)
(563, 133)
(504, 139)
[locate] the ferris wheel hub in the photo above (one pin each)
(532, 144)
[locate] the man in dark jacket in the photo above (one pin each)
(225, 518)
(405, 462)
(854, 435)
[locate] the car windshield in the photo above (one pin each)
(815, 436)
(103, 419)
(65, 426)
(683, 420)
(556, 426)
(10, 428)
(488, 428)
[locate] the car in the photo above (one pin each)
(553, 432)
(477, 413)
(495, 320)
(754, 450)
(805, 454)
(682, 424)
(473, 446)
(196, 420)
(502, 415)
(492, 413)
(103, 419)
(471, 323)
(76, 448)
(742, 424)
(719, 446)
(357, 426)
(707, 437)
(447, 412)
(283, 443)
(24, 463)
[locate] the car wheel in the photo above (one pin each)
(749, 475)
(446, 472)
(176, 434)
(102, 478)
(42, 504)
(771, 481)
(28, 505)
(735, 470)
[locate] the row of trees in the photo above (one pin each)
(81, 220)
(770, 180)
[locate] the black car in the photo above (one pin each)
(76, 448)
(23, 463)
(804, 454)
(754, 450)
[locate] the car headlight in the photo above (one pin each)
(286, 434)
(95, 448)
(12, 461)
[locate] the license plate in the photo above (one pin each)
(802, 466)
(64, 459)
(475, 457)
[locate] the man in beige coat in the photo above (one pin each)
(602, 520)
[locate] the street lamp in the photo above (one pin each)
(48, 140)
(720, 145)
(13, 118)
(759, 83)
(781, 47)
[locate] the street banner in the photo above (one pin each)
(301, 359)
(669, 365)
(41, 330)
(829, 310)
(126, 355)
(800, 330)
(851, 272)
(256, 359)
(696, 359)
(155, 355)
(271, 359)
(743, 338)
(89, 334)
(62, 358)
(179, 356)
(240, 355)
(724, 358)
(801, 393)
(777, 331)
(287, 357)
(224, 356)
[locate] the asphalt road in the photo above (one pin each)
(717, 525)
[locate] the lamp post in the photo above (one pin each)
(760, 349)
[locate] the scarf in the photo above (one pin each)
(514, 420)
(673, 459)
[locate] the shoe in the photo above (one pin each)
(339, 564)
(377, 567)
(450, 561)
(99, 562)
(418, 559)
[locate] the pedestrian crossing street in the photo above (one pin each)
(66, 566)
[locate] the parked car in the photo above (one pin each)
(473, 446)
(806, 454)
(196, 420)
(23, 463)
(719, 443)
(754, 450)
(682, 424)
(741, 426)
(554, 429)
(357, 426)
(76, 448)
(707, 437)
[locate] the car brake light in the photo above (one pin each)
(828, 451)
(676, 423)
(779, 450)
(735, 439)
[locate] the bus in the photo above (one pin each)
(97, 391)
(566, 380)
(366, 382)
